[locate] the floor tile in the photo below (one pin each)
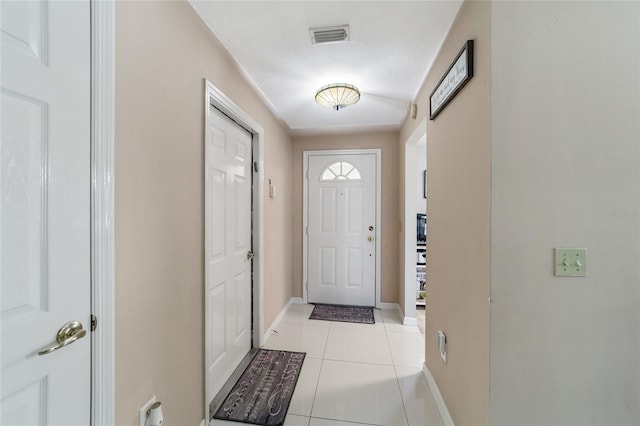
(391, 316)
(299, 314)
(377, 324)
(377, 315)
(421, 319)
(292, 420)
(299, 338)
(359, 344)
(355, 392)
(305, 390)
(407, 350)
(326, 422)
(418, 400)
(393, 323)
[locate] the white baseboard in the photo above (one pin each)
(435, 391)
(396, 307)
(276, 321)
(201, 423)
(410, 321)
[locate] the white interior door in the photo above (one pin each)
(341, 264)
(45, 212)
(228, 247)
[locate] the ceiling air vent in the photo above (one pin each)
(329, 34)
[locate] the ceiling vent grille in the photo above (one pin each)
(329, 34)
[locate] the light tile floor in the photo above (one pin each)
(355, 374)
(420, 317)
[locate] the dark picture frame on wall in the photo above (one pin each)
(454, 79)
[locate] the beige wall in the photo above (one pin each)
(163, 52)
(459, 215)
(566, 173)
(388, 142)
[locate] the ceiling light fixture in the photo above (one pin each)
(337, 95)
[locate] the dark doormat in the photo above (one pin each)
(261, 396)
(342, 313)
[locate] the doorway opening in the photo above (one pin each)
(414, 194)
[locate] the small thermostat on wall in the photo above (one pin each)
(272, 190)
(442, 345)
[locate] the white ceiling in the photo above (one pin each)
(392, 44)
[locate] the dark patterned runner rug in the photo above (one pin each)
(342, 313)
(261, 396)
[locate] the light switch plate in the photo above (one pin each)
(571, 262)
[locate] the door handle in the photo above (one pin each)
(370, 238)
(249, 255)
(69, 333)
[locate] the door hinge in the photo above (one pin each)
(255, 166)
(306, 230)
(94, 322)
(307, 174)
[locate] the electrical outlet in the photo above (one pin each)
(144, 409)
(571, 262)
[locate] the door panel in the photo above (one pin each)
(341, 263)
(355, 260)
(329, 210)
(355, 211)
(45, 210)
(228, 230)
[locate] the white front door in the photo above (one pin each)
(341, 264)
(45, 212)
(227, 247)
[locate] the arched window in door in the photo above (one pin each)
(340, 170)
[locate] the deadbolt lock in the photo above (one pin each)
(370, 228)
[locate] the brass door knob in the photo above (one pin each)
(69, 333)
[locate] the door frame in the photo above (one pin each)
(305, 211)
(409, 235)
(102, 211)
(215, 97)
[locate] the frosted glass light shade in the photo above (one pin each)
(338, 95)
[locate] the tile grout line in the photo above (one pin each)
(315, 393)
(322, 366)
(345, 421)
(395, 372)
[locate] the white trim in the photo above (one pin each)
(410, 321)
(437, 396)
(305, 208)
(213, 96)
(245, 75)
(283, 312)
(409, 231)
(102, 212)
(344, 130)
